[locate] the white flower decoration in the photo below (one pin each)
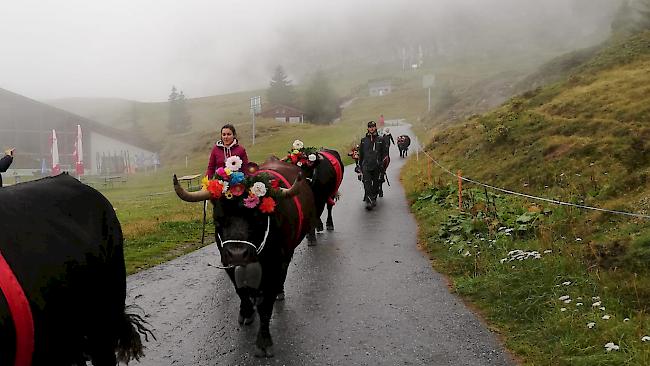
(234, 163)
(225, 186)
(645, 339)
(611, 347)
(258, 189)
(297, 145)
(299, 163)
(312, 157)
(591, 325)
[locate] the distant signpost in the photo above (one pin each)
(427, 82)
(256, 107)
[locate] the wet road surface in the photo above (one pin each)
(365, 295)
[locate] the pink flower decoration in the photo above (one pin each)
(222, 173)
(251, 201)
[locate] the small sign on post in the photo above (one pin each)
(256, 107)
(427, 82)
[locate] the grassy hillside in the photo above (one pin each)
(559, 282)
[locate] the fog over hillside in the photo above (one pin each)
(138, 49)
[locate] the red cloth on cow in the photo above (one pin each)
(21, 313)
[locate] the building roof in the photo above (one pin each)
(16, 104)
(288, 111)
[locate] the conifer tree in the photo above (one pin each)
(320, 101)
(280, 89)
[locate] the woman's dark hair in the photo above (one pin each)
(230, 127)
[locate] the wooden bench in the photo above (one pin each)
(109, 180)
(190, 178)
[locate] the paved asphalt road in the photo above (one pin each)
(365, 295)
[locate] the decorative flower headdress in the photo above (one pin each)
(253, 191)
(301, 155)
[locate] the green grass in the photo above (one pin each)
(583, 140)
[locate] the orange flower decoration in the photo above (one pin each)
(267, 205)
(215, 188)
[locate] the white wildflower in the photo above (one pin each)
(578, 304)
(611, 347)
(548, 251)
(602, 308)
(565, 297)
(467, 254)
(567, 301)
(606, 317)
(626, 319)
(596, 298)
(591, 325)
(297, 145)
(596, 304)
(259, 189)
(563, 309)
(578, 239)
(312, 157)
(567, 283)
(234, 163)
(645, 339)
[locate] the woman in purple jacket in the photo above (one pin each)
(226, 147)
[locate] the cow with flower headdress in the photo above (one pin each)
(324, 171)
(261, 214)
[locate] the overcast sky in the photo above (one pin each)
(136, 49)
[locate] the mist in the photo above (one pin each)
(139, 49)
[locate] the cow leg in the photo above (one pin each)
(264, 341)
(330, 222)
(283, 277)
(246, 307)
(311, 237)
(101, 352)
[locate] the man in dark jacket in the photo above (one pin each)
(371, 156)
(5, 162)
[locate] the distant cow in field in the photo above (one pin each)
(257, 239)
(63, 278)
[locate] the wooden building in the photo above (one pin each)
(27, 125)
(283, 113)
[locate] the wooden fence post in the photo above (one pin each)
(460, 191)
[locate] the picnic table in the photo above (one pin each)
(190, 178)
(109, 180)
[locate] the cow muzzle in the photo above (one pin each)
(249, 275)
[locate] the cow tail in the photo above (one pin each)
(129, 344)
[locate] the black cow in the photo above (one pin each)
(62, 242)
(256, 248)
(325, 176)
(403, 143)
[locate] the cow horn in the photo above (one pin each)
(294, 190)
(189, 196)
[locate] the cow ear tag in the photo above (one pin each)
(249, 275)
